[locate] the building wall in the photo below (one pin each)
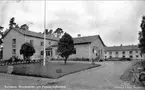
(37, 45)
(82, 51)
(135, 54)
(7, 44)
(86, 50)
(99, 49)
(20, 39)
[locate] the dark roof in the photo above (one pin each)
(31, 34)
(87, 39)
(82, 40)
(122, 48)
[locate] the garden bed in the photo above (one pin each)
(50, 70)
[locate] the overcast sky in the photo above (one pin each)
(117, 22)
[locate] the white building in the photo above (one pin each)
(86, 47)
(14, 38)
(129, 51)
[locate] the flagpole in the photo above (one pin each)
(44, 59)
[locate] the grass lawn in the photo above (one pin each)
(50, 70)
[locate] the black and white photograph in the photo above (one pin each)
(72, 44)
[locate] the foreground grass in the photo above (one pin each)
(50, 70)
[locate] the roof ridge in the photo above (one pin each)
(33, 33)
(86, 36)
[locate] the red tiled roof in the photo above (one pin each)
(122, 48)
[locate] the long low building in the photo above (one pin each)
(128, 51)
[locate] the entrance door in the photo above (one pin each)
(49, 53)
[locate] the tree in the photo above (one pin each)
(1, 35)
(142, 36)
(65, 46)
(50, 31)
(27, 50)
(58, 32)
(24, 27)
(12, 23)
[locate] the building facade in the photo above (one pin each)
(14, 38)
(89, 47)
(129, 51)
(86, 47)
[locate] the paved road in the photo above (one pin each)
(105, 77)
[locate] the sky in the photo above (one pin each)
(117, 22)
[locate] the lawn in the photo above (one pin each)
(50, 70)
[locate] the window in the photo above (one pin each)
(99, 51)
(123, 56)
(130, 52)
(13, 41)
(49, 43)
(31, 42)
(93, 51)
(41, 43)
(116, 52)
(13, 51)
(105, 52)
(110, 57)
(13, 46)
(136, 51)
(123, 52)
(110, 52)
(41, 53)
(137, 56)
(130, 56)
(74, 51)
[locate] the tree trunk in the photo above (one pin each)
(24, 57)
(65, 60)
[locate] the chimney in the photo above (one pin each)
(79, 35)
(121, 45)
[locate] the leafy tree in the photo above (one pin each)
(142, 36)
(50, 31)
(27, 50)
(65, 46)
(46, 31)
(12, 23)
(1, 34)
(58, 32)
(17, 26)
(24, 27)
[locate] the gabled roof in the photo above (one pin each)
(122, 48)
(87, 39)
(32, 34)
